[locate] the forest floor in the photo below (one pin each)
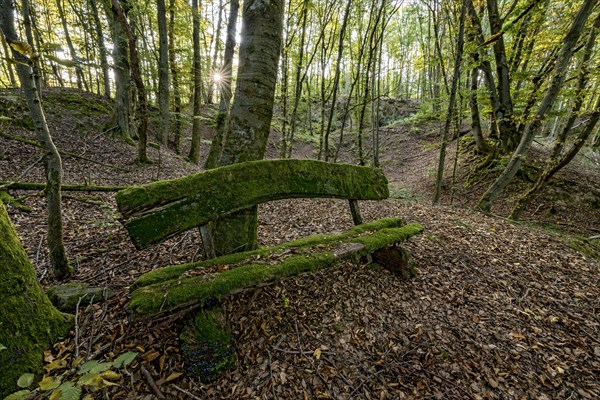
(499, 310)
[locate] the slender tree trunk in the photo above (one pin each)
(53, 168)
(336, 80)
(298, 81)
(122, 71)
(163, 74)
(81, 83)
(249, 122)
(194, 154)
(509, 135)
(8, 66)
(582, 80)
(142, 157)
(101, 48)
(555, 161)
(216, 51)
(226, 76)
(174, 77)
(558, 78)
(480, 141)
(451, 104)
(38, 71)
(557, 164)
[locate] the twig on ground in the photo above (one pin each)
(271, 376)
(151, 382)
(186, 392)
(77, 327)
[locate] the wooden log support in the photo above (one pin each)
(156, 211)
(204, 283)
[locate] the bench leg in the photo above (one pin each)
(355, 211)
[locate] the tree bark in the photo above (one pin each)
(226, 75)
(249, 122)
(81, 82)
(163, 74)
(194, 153)
(324, 148)
(137, 79)
(101, 48)
(175, 79)
(451, 103)
(29, 323)
(504, 113)
(558, 78)
(122, 70)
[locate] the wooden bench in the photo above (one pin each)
(156, 211)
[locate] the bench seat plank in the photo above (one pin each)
(156, 211)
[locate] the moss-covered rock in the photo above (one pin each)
(66, 296)
(29, 323)
(158, 210)
(207, 345)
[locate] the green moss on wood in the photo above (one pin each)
(158, 210)
(205, 289)
(207, 345)
(174, 271)
(28, 322)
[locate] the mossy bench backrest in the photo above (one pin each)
(156, 211)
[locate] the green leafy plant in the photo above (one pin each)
(92, 375)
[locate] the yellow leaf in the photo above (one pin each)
(48, 357)
(110, 375)
(76, 362)
(173, 376)
(55, 395)
(56, 364)
(317, 353)
(49, 383)
(21, 47)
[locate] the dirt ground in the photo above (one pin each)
(499, 310)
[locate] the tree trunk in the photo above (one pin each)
(558, 78)
(174, 75)
(29, 323)
(101, 48)
(137, 79)
(81, 83)
(451, 103)
(58, 259)
(504, 114)
(122, 70)
(216, 50)
(336, 82)
(163, 74)
(226, 76)
(249, 122)
(480, 142)
(194, 154)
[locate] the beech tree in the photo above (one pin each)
(22, 53)
(249, 122)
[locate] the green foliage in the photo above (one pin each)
(125, 359)
(91, 376)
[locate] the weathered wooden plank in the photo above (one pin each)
(158, 210)
(184, 287)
